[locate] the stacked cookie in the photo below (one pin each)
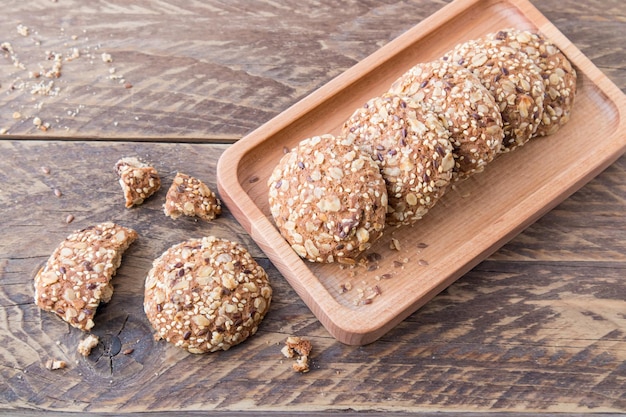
(440, 122)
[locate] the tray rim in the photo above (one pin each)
(321, 303)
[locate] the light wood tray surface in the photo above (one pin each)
(473, 219)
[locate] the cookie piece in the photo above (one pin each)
(512, 78)
(328, 199)
(87, 344)
(138, 180)
(300, 349)
(412, 149)
(77, 276)
(190, 196)
(465, 107)
(205, 295)
(556, 70)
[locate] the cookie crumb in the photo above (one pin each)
(87, 344)
(23, 30)
(54, 364)
(299, 348)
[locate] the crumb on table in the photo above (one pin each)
(54, 364)
(300, 348)
(87, 344)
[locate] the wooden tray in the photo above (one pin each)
(471, 222)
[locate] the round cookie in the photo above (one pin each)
(556, 70)
(205, 295)
(512, 78)
(411, 146)
(464, 105)
(328, 199)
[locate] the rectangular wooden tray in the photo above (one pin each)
(472, 221)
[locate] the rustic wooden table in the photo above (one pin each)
(537, 328)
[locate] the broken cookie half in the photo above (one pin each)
(138, 180)
(191, 197)
(76, 278)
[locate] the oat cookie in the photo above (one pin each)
(205, 295)
(138, 180)
(328, 199)
(77, 276)
(556, 70)
(190, 196)
(512, 78)
(412, 149)
(465, 107)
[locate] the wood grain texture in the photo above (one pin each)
(198, 69)
(537, 329)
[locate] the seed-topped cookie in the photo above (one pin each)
(328, 199)
(556, 70)
(205, 295)
(465, 107)
(411, 146)
(512, 78)
(77, 276)
(190, 196)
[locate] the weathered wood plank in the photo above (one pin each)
(531, 329)
(208, 70)
(538, 328)
(212, 71)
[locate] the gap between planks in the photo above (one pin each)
(218, 139)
